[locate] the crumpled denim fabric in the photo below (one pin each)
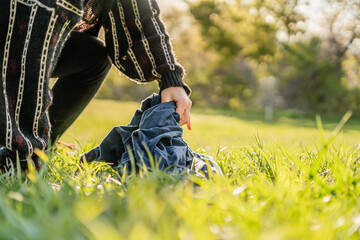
(153, 134)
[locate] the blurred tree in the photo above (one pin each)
(312, 69)
(246, 28)
(243, 34)
(271, 36)
(308, 80)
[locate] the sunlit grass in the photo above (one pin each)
(213, 128)
(270, 190)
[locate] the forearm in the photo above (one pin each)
(139, 45)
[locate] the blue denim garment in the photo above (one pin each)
(153, 129)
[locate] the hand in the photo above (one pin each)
(183, 103)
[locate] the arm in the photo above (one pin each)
(139, 47)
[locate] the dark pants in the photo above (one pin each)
(81, 69)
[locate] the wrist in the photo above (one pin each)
(173, 79)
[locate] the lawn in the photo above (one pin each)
(214, 128)
(285, 179)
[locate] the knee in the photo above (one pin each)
(104, 64)
(97, 63)
(98, 57)
(82, 54)
(101, 68)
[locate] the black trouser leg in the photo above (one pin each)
(81, 69)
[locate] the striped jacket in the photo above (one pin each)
(32, 34)
(136, 40)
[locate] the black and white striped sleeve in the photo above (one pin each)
(139, 45)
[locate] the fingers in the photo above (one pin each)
(184, 110)
(183, 103)
(187, 119)
(180, 108)
(189, 123)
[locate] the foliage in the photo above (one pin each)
(269, 34)
(313, 71)
(308, 80)
(244, 32)
(245, 28)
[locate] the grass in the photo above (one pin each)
(215, 128)
(293, 181)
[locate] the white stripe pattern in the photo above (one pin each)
(70, 7)
(129, 40)
(32, 2)
(8, 163)
(25, 3)
(115, 42)
(66, 24)
(22, 78)
(137, 66)
(42, 77)
(143, 37)
(123, 23)
(63, 29)
(4, 68)
(162, 37)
